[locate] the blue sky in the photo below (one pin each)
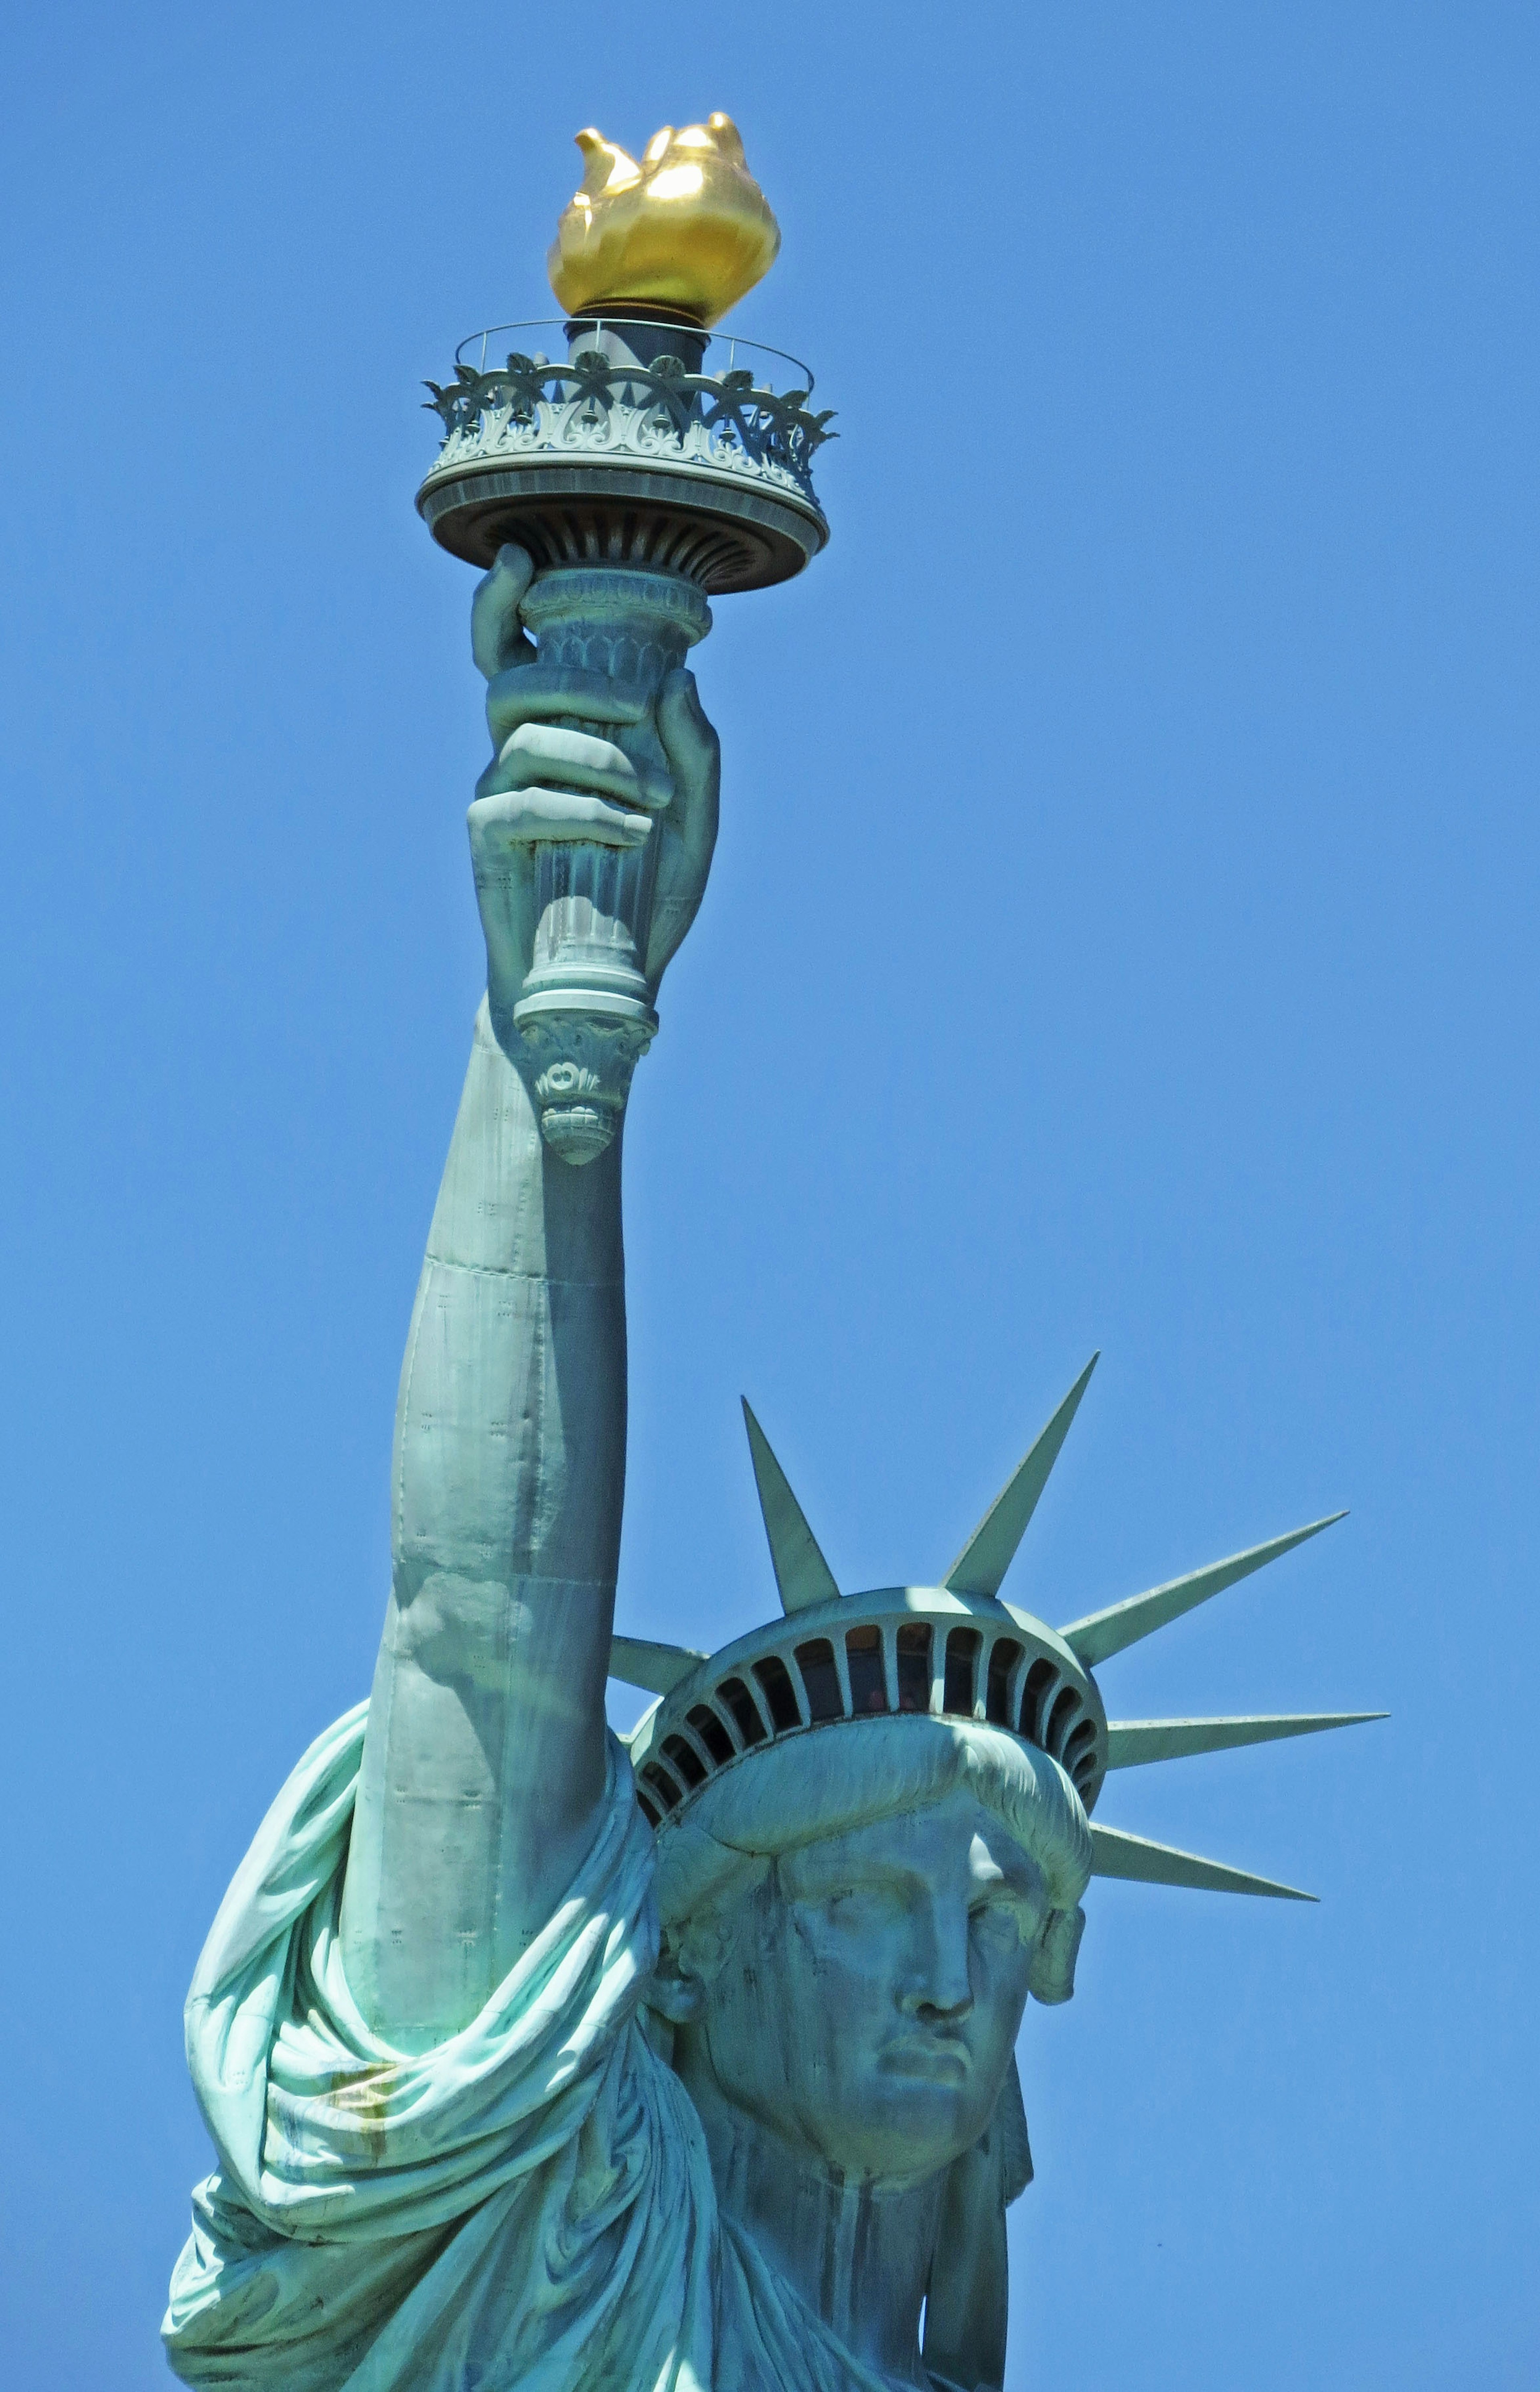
(1121, 935)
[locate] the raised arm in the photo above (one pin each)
(484, 1754)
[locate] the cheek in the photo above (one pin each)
(1000, 1970)
(765, 2017)
(851, 1980)
(834, 1985)
(794, 2018)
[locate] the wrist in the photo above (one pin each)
(494, 1027)
(575, 1069)
(506, 1203)
(580, 1050)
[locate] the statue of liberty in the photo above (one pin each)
(537, 2057)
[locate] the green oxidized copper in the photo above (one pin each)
(536, 2057)
(949, 1652)
(637, 484)
(720, 464)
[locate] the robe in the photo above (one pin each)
(528, 2204)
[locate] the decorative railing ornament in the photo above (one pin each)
(626, 451)
(598, 405)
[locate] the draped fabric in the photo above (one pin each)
(530, 2203)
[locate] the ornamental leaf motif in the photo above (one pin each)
(592, 399)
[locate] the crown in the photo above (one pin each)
(688, 229)
(950, 1652)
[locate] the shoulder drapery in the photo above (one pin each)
(530, 2203)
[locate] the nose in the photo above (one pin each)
(935, 1986)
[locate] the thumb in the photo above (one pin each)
(497, 635)
(689, 741)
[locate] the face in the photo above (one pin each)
(864, 2002)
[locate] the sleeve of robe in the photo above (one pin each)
(528, 2204)
(518, 2205)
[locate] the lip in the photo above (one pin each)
(943, 2058)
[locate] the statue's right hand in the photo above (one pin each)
(547, 780)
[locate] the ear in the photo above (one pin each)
(673, 1993)
(1052, 1975)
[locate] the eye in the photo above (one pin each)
(856, 1905)
(1002, 1919)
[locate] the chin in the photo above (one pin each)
(908, 2125)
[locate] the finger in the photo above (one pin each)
(684, 860)
(697, 762)
(538, 692)
(521, 817)
(498, 638)
(690, 742)
(541, 752)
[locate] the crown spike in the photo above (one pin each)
(1113, 1854)
(801, 1573)
(1101, 1634)
(1132, 1743)
(656, 1669)
(987, 1555)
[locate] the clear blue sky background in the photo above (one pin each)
(1121, 935)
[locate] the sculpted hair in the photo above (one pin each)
(851, 1773)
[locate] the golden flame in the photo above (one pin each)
(688, 229)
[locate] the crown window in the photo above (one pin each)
(712, 1734)
(819, 1677)
(1061, 1719)
(661, 1785)
(774, 1677)
(1080, 1751)
(743, 1708)
(1003, 1656)
(962, 1664)
(863, 1659)
(686, 1760)
(912, 1643)
(1041, 1678)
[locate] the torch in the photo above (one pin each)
(642, 484)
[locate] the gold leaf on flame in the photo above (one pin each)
(689, 228)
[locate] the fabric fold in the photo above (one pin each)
(528, 2204)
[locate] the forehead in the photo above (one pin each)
(955, 1836)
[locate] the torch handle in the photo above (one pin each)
(586, 1011)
